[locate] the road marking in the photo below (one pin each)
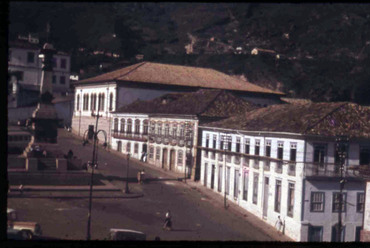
(62, 209)
(169, 183)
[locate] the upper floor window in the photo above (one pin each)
(237, 146)
(174, 129)
(214, 141)
(93, 99)
(122, 129)
(63, 63)
(360, 202)
(317, 201)
(293, 152)
(86, 102)
(246, 146)
(159, 128)
(146, 123)
(166, 129)
(268, 148)
(280, 150)
(364, 155)
(110, 101)
(30, 57)
(257, 148)
(207, 140)
(182, 130)
(129, 126)
(137, 126)
(115, 125)
(62, 80)
(319, 154)
(152, 127)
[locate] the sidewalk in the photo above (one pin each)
(233, 207)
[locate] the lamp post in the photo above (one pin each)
(127, 191)
(93, 164)
(341, 147)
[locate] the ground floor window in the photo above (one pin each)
(227, 189)
(180, 157)
(290, 199)
(151, 152)
(205, 174)
(334, 234)
(128, 147)
(236, 183)
(315, 233)
(358, 233)
(119, 146)
(255, 188)
(158, 153)
(136, 148)
(245, 185)
(219, 188)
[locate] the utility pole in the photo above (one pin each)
(341, 148)
(127, 191)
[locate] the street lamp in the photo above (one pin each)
(127, 191)
(93, 165)
(341, 148)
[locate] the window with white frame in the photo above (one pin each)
(227, 189)
(122, 129)
(78, 102)
(151, 152)
(220, 168)
(136, 148)
(159, 128)
(110, 101)
(336, 201)
(317, 201)
(319, 153)
(152, 127)
(360, 206)
(245, 185)
(255, 187)
(128, 147)
(174, 130)
(129, 126)
(158, 153)
(280, 150)
(293, 152)
(237, 146)
(137, 126)
(277, 196)
(115, 125)
(182, 130)
(180, 157)
(166, 129)
(290, 199)
(145, 123)
(257, 148)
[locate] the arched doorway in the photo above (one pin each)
(164, 159)
(172, 158)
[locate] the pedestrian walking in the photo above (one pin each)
(70, 154)
(279, 225)
(168, 221)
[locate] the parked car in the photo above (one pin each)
(14, 234)
(29, 228)
(126, 234)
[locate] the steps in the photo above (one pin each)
(47, 164)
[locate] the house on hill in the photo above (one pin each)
(166, 128)
(284, 160)
(147, 80)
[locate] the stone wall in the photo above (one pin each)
(81, 124)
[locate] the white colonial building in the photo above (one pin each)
(282, 161)
(166, 128)
(146, 81)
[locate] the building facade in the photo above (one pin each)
(271, 172)
(147, 81)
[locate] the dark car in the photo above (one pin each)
(14, 234)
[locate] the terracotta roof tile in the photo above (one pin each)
(156, 73)
(325, 119)
(205, 103)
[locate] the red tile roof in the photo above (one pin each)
(205, 103)
(156, 73)
(325, 119)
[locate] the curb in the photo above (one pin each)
(74, 197)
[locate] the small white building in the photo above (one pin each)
(24, 58)
(282, 161)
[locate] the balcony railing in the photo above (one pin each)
(236, 159)
(130, 136)
(228, 158)
(330, 170)
(246, 162)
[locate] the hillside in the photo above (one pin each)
(323, 49)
